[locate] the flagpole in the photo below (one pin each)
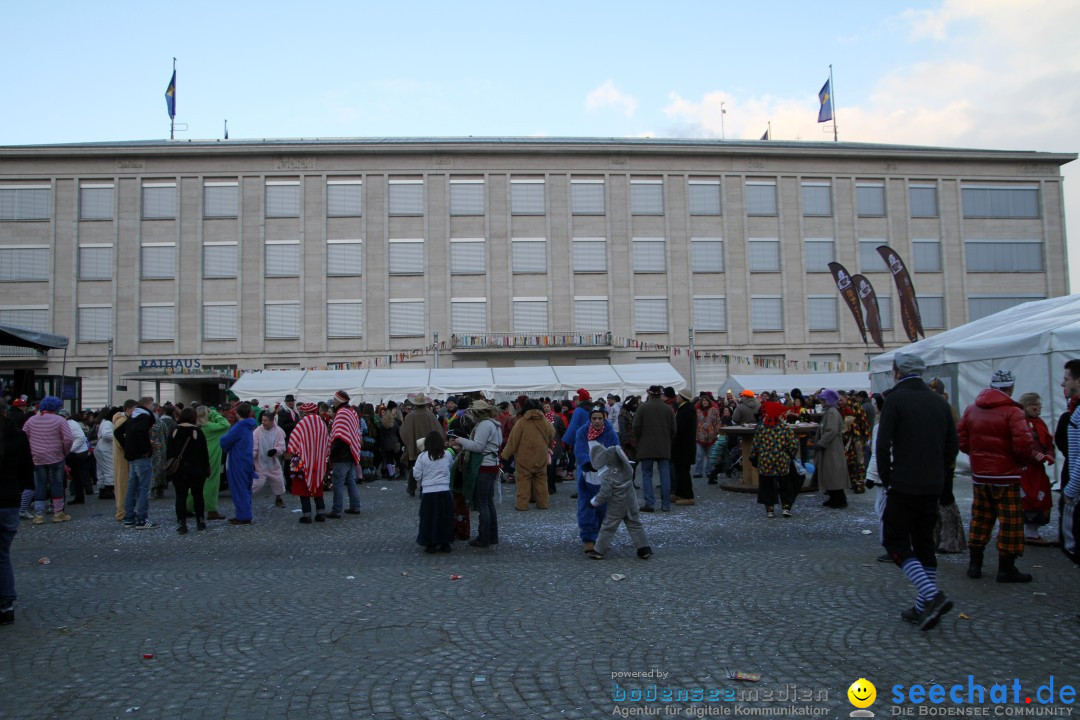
(832, 104)
(172, 116)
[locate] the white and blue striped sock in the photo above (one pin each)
(924, 584)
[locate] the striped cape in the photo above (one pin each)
(310, 441)
(346, 426)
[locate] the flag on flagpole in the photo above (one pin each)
(766, 136)
(825, 96)
(170, 95)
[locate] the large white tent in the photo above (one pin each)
(1032, 340)
(807, 382)
(379, 385)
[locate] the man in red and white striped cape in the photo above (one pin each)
(309, 446)
(346, 443)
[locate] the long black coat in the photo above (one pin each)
(684, 447)
(18, 474)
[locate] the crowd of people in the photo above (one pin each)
(456, 452)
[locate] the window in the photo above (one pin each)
(923, 200)
(527, 196)
(159, 201)
(1004, 255)
(760, 197)
(931, 311)
(650, 315)
(466, 197)
(406, 318)
(221, 199)
(707, 255)
(647, 197)
(282, 320)
(650, 255)
(1000, 202)
(282, 198)
(710, 313)
(869, 259)
(764, 255)
(704, 196)
(282, 258)
(344, 257)
(590, 255)
(587, 197)
(529, 255)
(590, 313)
(979, 306)
(31, 317)
(157, 322)
(96, 261)
(766, 314)
(94, 323)
(345, 318)
(926, 255)
(96, 201)
(884, 303)
(406, 257)
(819, 253)
(821, 312)
(158, 261)
(219, 321)
(407, 197)
(219, 259)
(817, 199)
(467, 256)
(25, 202)
(24, 263)
(870, 199)
(468, 316)
(344, 198)
(530, 315)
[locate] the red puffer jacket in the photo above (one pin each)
(995, 435)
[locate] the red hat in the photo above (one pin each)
(18, 402)
(773, 409)
(342, 397)
(583, 394)
(308, 408)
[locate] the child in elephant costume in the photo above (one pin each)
(617, 490)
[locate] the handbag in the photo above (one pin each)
(174, 465)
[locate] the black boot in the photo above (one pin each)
(1007, 572)
(974, 570)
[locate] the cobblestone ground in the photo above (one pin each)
(350, 619)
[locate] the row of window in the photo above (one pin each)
(345, 198)
(468, 256)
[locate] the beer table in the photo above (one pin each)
(745, 434)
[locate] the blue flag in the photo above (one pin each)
(825, 96)
(170, 95)
(766, 136)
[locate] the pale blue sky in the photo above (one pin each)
(961, 73)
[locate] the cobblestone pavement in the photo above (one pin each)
(352, 620)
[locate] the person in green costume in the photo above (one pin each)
(214, 425)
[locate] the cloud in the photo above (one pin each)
(607, 95)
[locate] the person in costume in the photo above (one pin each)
(618, 494)
(346, 444)
(188, 443)
(598, 431)
(238, 443)
(308, 451)
(1036, 500)
(775, 447)
(269, 447)
(482, 469)
(214, 426)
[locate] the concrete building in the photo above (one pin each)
(201, 258)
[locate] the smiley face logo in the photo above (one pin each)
(862, 693)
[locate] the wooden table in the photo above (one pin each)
(746, 433)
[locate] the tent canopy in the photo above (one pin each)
(807, 382)
(24, 337)
(380, 385)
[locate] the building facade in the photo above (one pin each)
(215, 256)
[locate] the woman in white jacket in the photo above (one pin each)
(103, 455)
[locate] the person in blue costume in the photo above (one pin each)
(239, 447)
(598, 431)
(578, 419)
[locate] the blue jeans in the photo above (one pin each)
(665, 482)
(48, 482)
(488, 522)
(9, 525)
(344, 474)
(702, 466)
(137, 500)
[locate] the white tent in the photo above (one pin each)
(1032, 340)
(379, 385)
(807, 382)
